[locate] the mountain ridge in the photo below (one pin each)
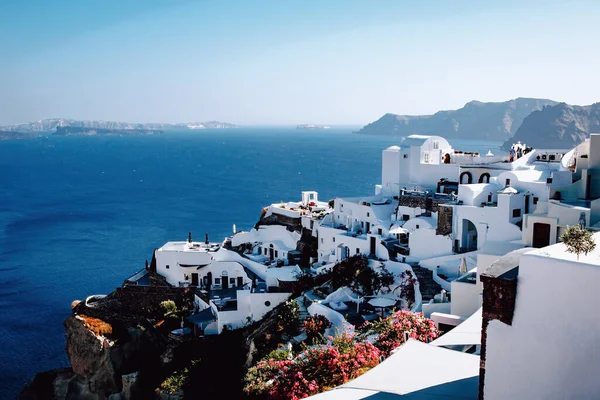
(476, 119)
(562, 126)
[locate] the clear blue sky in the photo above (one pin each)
(289, 62)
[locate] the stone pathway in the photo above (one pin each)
(427, 285)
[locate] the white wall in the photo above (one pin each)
(175, 273)
(429, 308)
(424, 243)
(465, 298)
(250, 305)
(551, 351)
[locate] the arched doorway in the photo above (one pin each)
(466, 178)
(469, 235)
(484, 178)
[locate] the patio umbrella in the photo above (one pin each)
(463, 267)
(382, 302)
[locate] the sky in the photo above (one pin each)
(259, 62)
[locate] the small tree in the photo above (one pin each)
(578, 240)
(287, 319)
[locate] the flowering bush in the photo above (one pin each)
(407, 287)
(315, 327)
(390, 330)
(287, 319)
(312, 371)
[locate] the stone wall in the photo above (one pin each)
(499, 296)
(444, 222)
(421, 202)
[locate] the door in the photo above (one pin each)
(373, 246)
(541, 235)
(368, 227)
(240, 281)
(194, 279)
(225, 282)
(271, 254)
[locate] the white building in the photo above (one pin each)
(540, 327)
(178, 262)
(269, 242)
(228, 294)
(420, 161)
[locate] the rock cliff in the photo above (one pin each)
(117, 348)
(476, 120)
(562, 126)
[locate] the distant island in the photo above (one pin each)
(71, 127)
(9, 135)
(84, 131)
(312, 126)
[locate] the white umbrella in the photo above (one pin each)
(382, 302)
(463, 267)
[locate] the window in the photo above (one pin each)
(426, 158)
(322, 241)
(508, 182)
(276, 254)
(357, 250)
(267, 303)
(548, 180)
(217, 281)
(232, 281)
(265, 252)
(405, 217)
(436, 145)
(167, 267)
(362, 224)
(535, 200)
(368, 214)
(417, 227)
(380, 231)
(516, 213)
(333, 240)
(404, 155)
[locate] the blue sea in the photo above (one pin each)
(78, 215)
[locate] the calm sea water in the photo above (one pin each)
(78, 215)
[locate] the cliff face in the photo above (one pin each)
(116, 348)
(562, 126)
(476, 120)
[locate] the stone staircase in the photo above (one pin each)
(427, 285)
(303, 314)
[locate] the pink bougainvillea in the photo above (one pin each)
(391, 330)
(313, 370)
(343, 358)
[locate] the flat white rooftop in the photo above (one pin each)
(195, 247)
(559, 251)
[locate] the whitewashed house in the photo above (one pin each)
(230, 291)
(540, 331)
(179, 262)
(269, 242)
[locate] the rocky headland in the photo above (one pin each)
(561, 126)
(476, 120)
